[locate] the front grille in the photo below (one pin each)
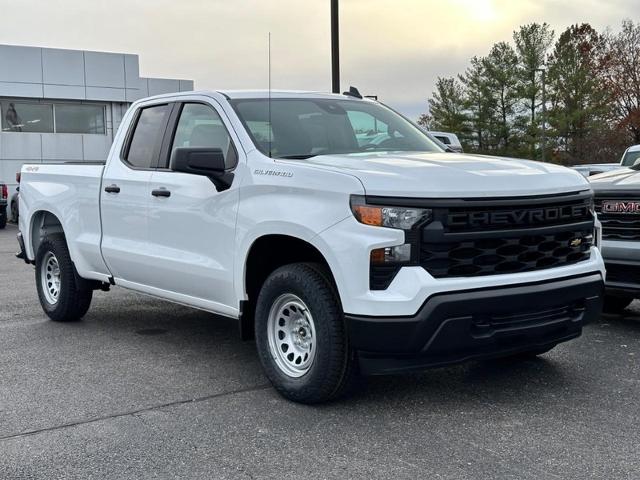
(475, 238)
(618, 226)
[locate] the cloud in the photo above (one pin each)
(395, 49)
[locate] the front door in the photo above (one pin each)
(191, 223)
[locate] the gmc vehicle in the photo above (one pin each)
(617, 201)
(337, 256)
(630, 156)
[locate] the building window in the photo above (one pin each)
(26, 117)
(35, 117)
(79, 118)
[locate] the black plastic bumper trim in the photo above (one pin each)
(481, 323)
(617, 288)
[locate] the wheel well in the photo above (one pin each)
(43, 223)
(266, 255)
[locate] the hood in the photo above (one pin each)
(451, 175)
(621, 179)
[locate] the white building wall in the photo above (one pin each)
(50, 75)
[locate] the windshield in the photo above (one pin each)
(303, 128)
(630, 158)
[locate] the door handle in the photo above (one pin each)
(112, 189)
(161, 192)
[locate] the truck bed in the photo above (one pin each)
(71, 193)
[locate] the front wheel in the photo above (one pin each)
(300, 335)
(63, 297)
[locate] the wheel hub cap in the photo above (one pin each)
(291, 335)
(50, 277)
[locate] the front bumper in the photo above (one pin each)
(622, 261)
(623, 278)
(473, 324)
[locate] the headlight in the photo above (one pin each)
(403, 218)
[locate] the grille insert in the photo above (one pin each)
(618, 226)
(489, 238)
(505, 255)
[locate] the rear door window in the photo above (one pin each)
(144, 146)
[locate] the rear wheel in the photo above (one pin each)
(63, 296)
(301, 336)
(615, 304)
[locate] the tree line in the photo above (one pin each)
(570, 100)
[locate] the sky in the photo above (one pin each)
(391, 48)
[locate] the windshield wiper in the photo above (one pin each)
(296, 157)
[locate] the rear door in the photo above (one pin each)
(191, 223)
(125, 195)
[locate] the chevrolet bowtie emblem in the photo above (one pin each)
(576, 242)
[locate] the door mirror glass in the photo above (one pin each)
(198, 160)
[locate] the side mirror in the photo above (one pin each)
(198, 160)
(206, 161)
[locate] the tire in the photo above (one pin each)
(298, 303)
(63, 297)
(14, 212)
(3, 217)
(613, 304)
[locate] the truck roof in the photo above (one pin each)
(237, 94)
(634, 148)
(234, 94)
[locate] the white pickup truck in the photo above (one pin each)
(337, 255)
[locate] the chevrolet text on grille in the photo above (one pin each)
(519, 217)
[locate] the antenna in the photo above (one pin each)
(269, 102)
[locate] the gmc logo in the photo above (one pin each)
(618, 206)
(519, 217)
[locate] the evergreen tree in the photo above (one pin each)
(446, 108)
(501, 72)
(479, 104)
(532, 43)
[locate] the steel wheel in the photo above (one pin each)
(50, 278)
(291, 335)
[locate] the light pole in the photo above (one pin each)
(543, 141)
(335, 48)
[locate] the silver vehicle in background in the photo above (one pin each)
(629, 158)
(450, 140)
(617, 203)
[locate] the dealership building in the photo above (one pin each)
(66, 105)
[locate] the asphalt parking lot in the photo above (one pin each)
(145, 389)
